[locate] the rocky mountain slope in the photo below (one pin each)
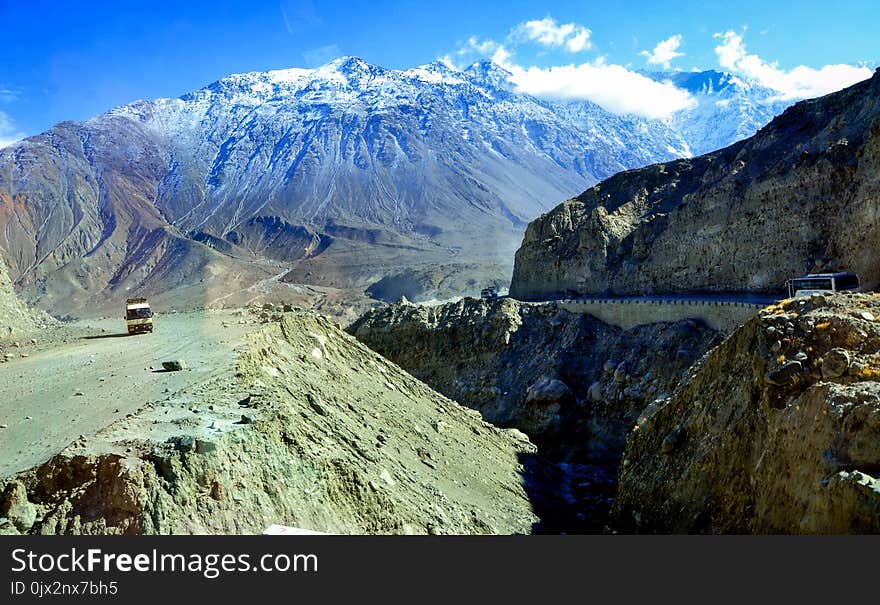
(776, 431)
(560, 377)
(349, 176)
(334, 171)
(310, 429)
(16, 318)
(727, 108)
(573, 384)
(800, 195)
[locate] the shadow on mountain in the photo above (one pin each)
(568, 497)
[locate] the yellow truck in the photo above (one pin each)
(138, 315)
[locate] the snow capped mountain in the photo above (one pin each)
(728, 108)
(348, 174)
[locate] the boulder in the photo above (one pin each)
(835, 363)
(17, 508)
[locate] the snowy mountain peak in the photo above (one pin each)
(492, 74)
(352, 69)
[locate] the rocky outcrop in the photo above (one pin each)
(312, 430)
(16, 318)
(569, 381)
(800, 195)
(776, 431)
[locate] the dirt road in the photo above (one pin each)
(49, 399)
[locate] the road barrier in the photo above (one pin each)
(721, 315)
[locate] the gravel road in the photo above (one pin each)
(73, 388)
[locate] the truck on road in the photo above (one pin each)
(823, 283)
(138, 316)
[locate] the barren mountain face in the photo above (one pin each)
(15, 317)
(348, 176)
(800, 195)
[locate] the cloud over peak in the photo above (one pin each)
(620, 89)
(801, 82)
(613, 87)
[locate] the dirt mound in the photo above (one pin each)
(312, 429)
(776, 431)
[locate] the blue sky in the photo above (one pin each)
(66, 60)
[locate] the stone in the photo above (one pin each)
(596, 391)
(671, 442)
(17, 508)
(387, 478)
(205, 446)
(548, 390)
(785, 374)
(187, 443)
(835, 363)
(317, 405)
(758, 458)
(174, 366)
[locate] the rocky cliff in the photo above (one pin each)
(567, 380)
(800, 195)
(573, 384)
(775, 431)
(16, 318)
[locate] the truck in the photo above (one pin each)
(138, 316)
(823, 283)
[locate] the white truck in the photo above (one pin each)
(823, 283)
(138, 316)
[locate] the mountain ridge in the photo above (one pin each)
(403, 170)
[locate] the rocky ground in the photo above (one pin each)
(572, 383)
(304, 426)
(776, 431)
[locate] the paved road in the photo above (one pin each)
(735, 297)
(50, 398)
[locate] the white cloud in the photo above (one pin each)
(799, 83)
(546, 32)
(8, 132)
(664, 52)
(489, 49)
(613, 87)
